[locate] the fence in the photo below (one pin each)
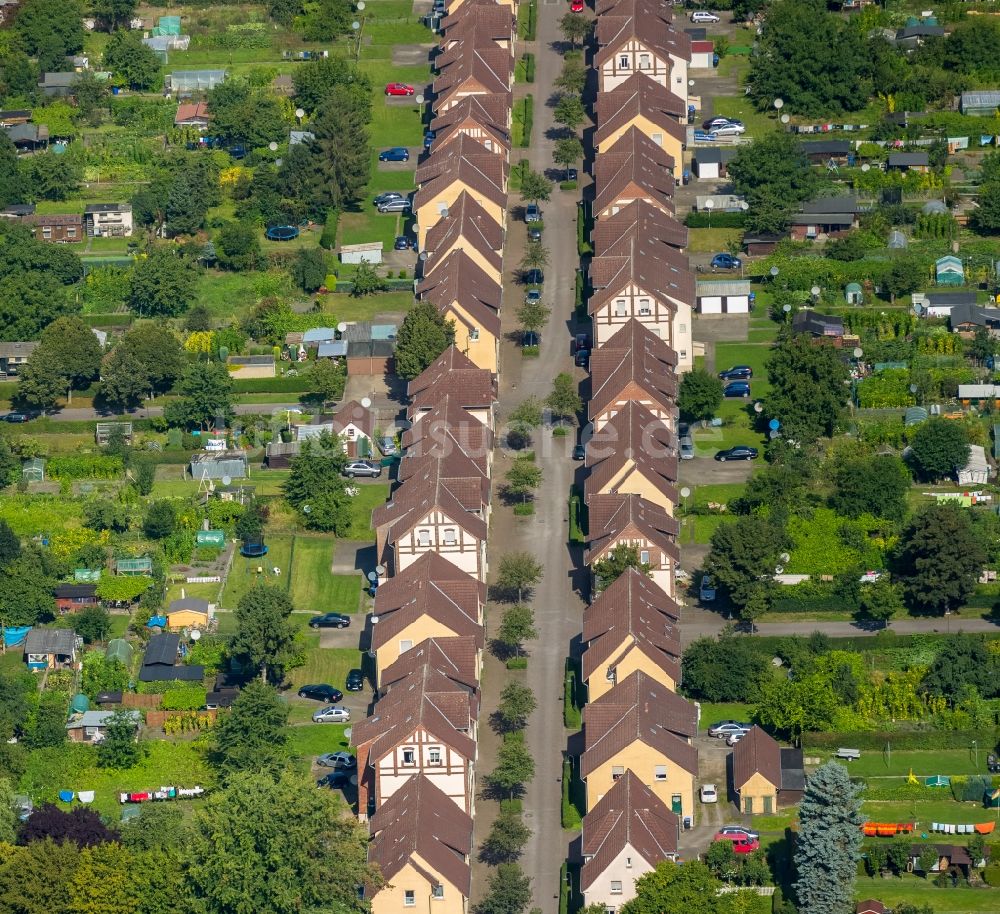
(159, 718)
(136, 700)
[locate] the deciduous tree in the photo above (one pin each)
(515, 767)
(81, 826)
(516, 627)
(774, 176)
(808, 388)
(700, 394)
(206, 392)
(517, 703)
(535, 187)
(316, 488)
(569, 112)
(576, 28)
(871, 485)
(518, 573)
(131, 61)
(939, 448)
(506, 840)
(162, 284)
(743, 557)
(120, 749)
(564, 401)
(727, 669)
(264, 637)
(523, 477)
(246, 115)
(622, 557)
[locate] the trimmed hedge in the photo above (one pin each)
(716, 220)
(525, 70)
(524, 115)
(107, 320)
(583, 246)
(328, 239)
(875, 740)
(391, 285)
(815, 604)
(293, 385)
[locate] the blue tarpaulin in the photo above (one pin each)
(157, 622)
(15, 634)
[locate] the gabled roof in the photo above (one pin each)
(614, 234)
(657, 269)
(478, 25)
(634, 166)
(638, 710)
(452, 374)
(636, 355)
(843, 204)
(483, 69)
(458, 279)
(629, 815)
(457, 473)
(74, 591)
(634, 611)
(353, 413)
(908, 159)
(497, 139)
(456, 658)
(639, 20)
(430, 569)
(450, 426)
(192, 111)
(189, 604)
(655, 9)
(420, 821)
(756, 753)
(161, 650)
(465, 160)
(467, 224)
(616, 517)
(456, 701)
(638, 96)
(492, 111)
(50, 641)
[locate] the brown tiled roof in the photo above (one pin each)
(449, 426)
(869, 906)
(756, 753)
(496, 140)
(492, 111)
(429, 568)
(467, 223)
(657, 269)
(457, 658)
(634, 444)
(634, 610)
(634, 354)
(458, 473)
(646, 21)
(53, 219)
(478, 25)
(458, 703)
(634, 167)
(629, 815)
(614, 234)
(460, 280)
(465, 160)
(454, 96)
(192, 111)
(419, 820)
(640, 95)
(477, 69)
(353, 412)
(616, 517)
(638, 710)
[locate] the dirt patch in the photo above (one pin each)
(411, 55)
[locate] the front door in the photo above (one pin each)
(768, 805)
(675, 804)
(748, 805)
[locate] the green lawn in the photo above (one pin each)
(370, 225)
(226, 295)
(349, 308)
(208, 592)
(699, 528)
(243, 573)
(711, 712)
(740, 106)
(310, 740)
(925, 812)
(313, 586)
(265, 482)
(369, 497)
(712, 240)
(922, 762)
(919, 892)
(752, 354)
(326, 664)
(395, 124)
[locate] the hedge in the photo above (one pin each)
(523, 121)
(525, 72)
(583, 246)
(107, 320)
(328, 239)
(296, 384)
(715, 220)
(817, 604)
(570, 814)
(875, 740)
(391, 285)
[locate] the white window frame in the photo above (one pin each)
(405, 645)
(659, 773)
(408, 756)
(437, 891)
(409, 898)
(616, 887)
(435, 756)
(623, 62)
(644, 556)
(423, 537)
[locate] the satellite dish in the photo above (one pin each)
(226, 480)
(815, 290)
(300, 112)
(858, 352)
(779, 569)
(779, 103)
(784, 557)
(195, 635)
(361, 5)
(444, 212)
(372, 576)
(785, 119)
(347, 734)
(685, 492)
(866, 167)
(355, 25)
(758, 407)
(342, 326)
(272, 146)
(380, 570)
(423, 255)
(420, 99)
(366, 402)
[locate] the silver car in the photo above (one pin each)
(363, 468)
(334, 714)
(339, 761)
(686, 448)
(395, 206)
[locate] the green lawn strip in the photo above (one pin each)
(919, 891)
(119, 625)
(712, 712)
(326, 664)
(208, 592)
(368, 498)
(243, 574)
(699, 529)
(395, 178)
(926, 812)
(394, 124)
(310, 740)
(265, 482)
(712, 240)
(924, 763)
(313, 586)
(752, 354)
(741, 107)
(74, 767)
(346, 307)
(224, 293)
(368, 226)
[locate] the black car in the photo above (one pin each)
(737, 373)
(324, 693)
(534, 233)
(581, 341)
(582, 358)
(740, 452)
(330, 620)
(571, 174)
(529, 338)
(355, 681)
(337, 780)
(16, 417)
(579, 452)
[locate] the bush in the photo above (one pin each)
(328, 239)
(517, 663)
(183, 698)
(529, 352)
(523, 120)
(991, 875)
(525, 509)
(572, 718)
(567, 185)
(293, 385)
(715, 220)
(875, 740)
(570, 814)
(583, 246)
(526, 68)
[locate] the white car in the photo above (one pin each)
(729, 130)
(734, 738)
(334, 714)
(709, 793)
(704, 16)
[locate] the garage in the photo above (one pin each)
(723, 296)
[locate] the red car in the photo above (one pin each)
(398, 89)
(741, 843)
(576, 6)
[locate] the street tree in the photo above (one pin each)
(880, 601)
(535, 257)
(277, 845)
(743, 557)
(533, 315)
(523, 477)
(568, 152)
(517, 703)
(939, 559)
(526, 417)
(573, 76)
(518, 573)
(206, 397)
(252, 736)
(162, 284)
(576, 28)
(938, 449)
(515, 767)
(265, 637)
(535, 187)
(569, 112)
(875, 485)
(516, 627)
(316, 488)
(506, 840)
(622, 557)
(564, 401)
(40, 385)
(829, 842)
(808, 388)
(700, 395)
(120, 749)
(423, 336)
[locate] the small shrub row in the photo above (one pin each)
(524, 115)
(525, 71)
(567, 185)
(876, 740)
(293, 385)
(715, 220)
(583, 246)
(570, 814)
(527, 20)
(517, 663)
(328, 239)
(524, 509)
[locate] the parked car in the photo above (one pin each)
(576, 6)
(726, 728)
(736, 389)
(729, 130)
(737, 373)
(582, 358)
(362, 468)
(686, 447)
(579, 452)
(709, 793)
(429, 136)
(337, 780)
(683, 430)
(581, 341)
(401, 243)
(530, 338)
(16, 417)
(532, 213)
(533, 296)
(571, 174)
(325, 693)
(992, 764)
(334, 714)
(355, 680)
(704, 16)
(534, 233)
(715, 122)
(399, 89)
(706, 592)
(741, 843)
(395, 206)
(739, 830)
(735, 738)
(388, 196)
(533, 277)
(339, 761)
(726, 262)
(739, 452)
(394, 154)
(440, 6)
(386, 445)
(330, 620)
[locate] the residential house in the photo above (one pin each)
(632, 521)
(14, 355)
(71, 598)
(614, 234)
(764, 775)
(50, 649)
(949, 271)
(489, 116)
(477, 25)
(424, 515)
(630, 627)
(638, 35)
(635, 168)
(92, 726)
(459, 657)
(470, 229)
(635, 364)
(648, 106)
(464, 165)
(907, 161)
(760, 244)
(627, 833)
(462, 291)
(466, 71)
(643, 726)
(820, 325)
(827, 216)
(869, 906)
(431, 598)
(941, 304)
(421, 844)
(913, 36)
(828, 152)
(634, 453)
(188, 612)
(108, 220)
(454, 5)
(457, 472)
(981, 103)
(446, 428)
(159, 662)
(711, 162)
(967, 318)
(418, 728)
(58, 227)
(454, 375)
(723, 296)
(355, 425)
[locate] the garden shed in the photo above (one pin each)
(119, 649)
(33, 470)
(104, 430)
(723, 296)
(133, 566)
(218, 465)
(977, 470)
(195, 80)
(983, 103)
(367, 252)
(853, 293)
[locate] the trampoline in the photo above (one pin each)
(253, 550)
(282, 232)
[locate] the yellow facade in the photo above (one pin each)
(393, 899)
(643, 760)
(429, 211)
(420, 630)
(628, 481)
(473, 252)
(482, 351)
(758, 795)
(186, 618)
(632, 662)
(669, 144)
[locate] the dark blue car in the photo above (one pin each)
(726, 262)
(737, 389)
(396, 154)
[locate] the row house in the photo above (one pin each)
(471, 71)
(467, 229)
(458, 657)
(635, 168)
(477, 25)
(486, 118)
(614, 233)
(453, 374)
(455, 5)
(448, 428)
